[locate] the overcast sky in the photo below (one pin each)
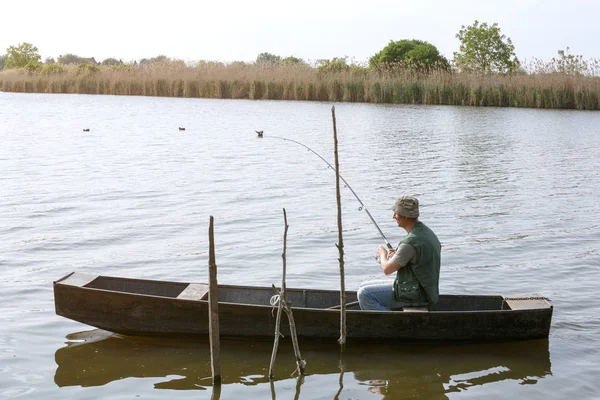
(311, 29)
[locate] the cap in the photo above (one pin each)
(407, 206)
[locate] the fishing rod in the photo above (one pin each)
(362, 206)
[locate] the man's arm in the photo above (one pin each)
(392, 262)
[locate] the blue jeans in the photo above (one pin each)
(379, 296)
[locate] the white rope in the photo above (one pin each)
(274, 300)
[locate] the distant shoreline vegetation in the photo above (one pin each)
(484, 71)
(334, 82)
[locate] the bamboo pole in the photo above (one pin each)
(213, 309)
(340, 243)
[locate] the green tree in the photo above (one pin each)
(267, 58)
(293, 60)
(483, 49)
(157, 59)
(413, 53)
(71, 59)
(570, 64)
(112, 61)
(3, 61)
(49, 60)
(336, 64)
(21, 55)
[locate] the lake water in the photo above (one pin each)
(511, 193)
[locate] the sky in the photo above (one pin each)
(232, 30)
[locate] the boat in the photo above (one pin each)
(141, 307)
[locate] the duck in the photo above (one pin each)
(260, 133)
(181, 129)
(86, 129)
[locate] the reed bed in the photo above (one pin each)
(303, 82)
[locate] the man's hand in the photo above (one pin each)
(387, 264)
(381, 252)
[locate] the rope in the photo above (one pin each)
(274, 300)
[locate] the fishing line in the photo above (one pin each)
(362, 206)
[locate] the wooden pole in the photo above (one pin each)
(213, 309)
(300, 363)
(340, 243)
(280, 305)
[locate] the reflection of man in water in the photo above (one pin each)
(416, 262)
(404, 385)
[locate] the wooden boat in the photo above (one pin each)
(176, 309)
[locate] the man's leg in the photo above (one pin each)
(377, 295)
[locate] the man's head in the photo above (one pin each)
(406, 206)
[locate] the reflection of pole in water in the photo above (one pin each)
(272, 385)
(341, 380)
(216, 392)
(299, 382)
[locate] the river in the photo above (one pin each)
(511, 193)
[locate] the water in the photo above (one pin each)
(511, 193)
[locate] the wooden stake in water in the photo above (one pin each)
(283, 304)
(213, 308)
(340, 243)
(280, 305)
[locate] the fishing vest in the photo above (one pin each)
(421, 278)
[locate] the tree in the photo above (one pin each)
(570, 64)
(267, 58)
(3, 61)
(412, 53)
(49, 60)
(22, 55)
(157, 59)
(293, 60)
(71, 59)
(483, 49)
(336, 64)
(112, 61)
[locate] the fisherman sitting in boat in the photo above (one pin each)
(416, 262)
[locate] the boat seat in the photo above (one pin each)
(530, 302)
(415, 309)
(194, 291)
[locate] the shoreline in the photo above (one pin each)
(548, 91)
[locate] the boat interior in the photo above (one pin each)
(298, 298)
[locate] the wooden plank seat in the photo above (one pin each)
(415, 309)
(531, 302)
(194, 291)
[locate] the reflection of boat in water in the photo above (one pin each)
(95, 358)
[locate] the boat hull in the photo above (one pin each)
(77, 297)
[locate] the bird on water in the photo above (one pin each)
(260, 133)
(181, 129)
(86, 129)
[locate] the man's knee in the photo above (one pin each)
(364, 296)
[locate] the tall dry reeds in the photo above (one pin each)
(302, 82)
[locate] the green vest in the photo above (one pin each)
(419, 281)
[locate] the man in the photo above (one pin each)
(416, 262)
